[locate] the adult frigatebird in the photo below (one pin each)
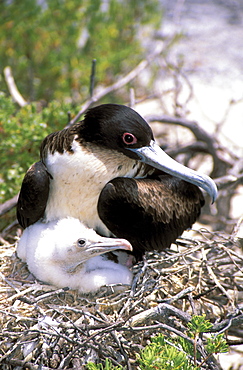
(66, 253)
(108, 172)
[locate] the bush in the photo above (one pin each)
(50, 44)
(22, 131)
(179, 353)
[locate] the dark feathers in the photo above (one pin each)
(33, 195)
(150, 213)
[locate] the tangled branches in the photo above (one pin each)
(63, 329)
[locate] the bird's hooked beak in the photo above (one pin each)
(107, 245)
(93, 249)
(154, 156)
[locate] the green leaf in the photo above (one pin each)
(161, 355)
(108, 366)
(216, 344)
(198, 324)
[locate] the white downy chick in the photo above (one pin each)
(66, 253)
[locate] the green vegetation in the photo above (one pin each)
(50, 46)
(22, 131)
(108, 366)
(179, 353)
(176, 353)
(161, 355)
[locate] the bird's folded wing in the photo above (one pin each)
(150, 213)
(33, 195)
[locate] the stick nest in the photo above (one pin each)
(62, 329)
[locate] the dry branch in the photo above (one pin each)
(222, 161)
(121, 82)
(162, 312)
(62, 326)
(8, 205)
(14, 92)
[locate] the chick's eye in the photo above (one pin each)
(81, 242)
(129, 138)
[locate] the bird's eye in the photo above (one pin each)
(129, 138)
(81, 242)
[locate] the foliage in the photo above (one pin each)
(180, 353)
(176, 354)
(217, 344)
(162, 355)
(108, 366)
(22, 131)
(50, 44)
(198, 325)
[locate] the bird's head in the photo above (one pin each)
(120, 128)
(116, 127)
(74, 243)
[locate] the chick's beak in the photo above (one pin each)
(108, 245)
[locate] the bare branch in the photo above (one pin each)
(160, 313)
(23, 364)
(18, 98)
(92, 77)
(199, 132)
(120, 83)
(8, 205)
(222, 159)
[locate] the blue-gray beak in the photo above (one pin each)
(154, 156)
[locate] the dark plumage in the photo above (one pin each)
(32, 204)
(108, 172)
(156, 210)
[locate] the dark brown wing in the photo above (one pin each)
(33, 195)
(150, 213)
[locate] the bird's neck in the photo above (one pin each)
(78, 178)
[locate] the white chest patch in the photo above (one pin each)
(78, 179)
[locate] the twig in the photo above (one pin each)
(132, 98)
(49, 294)
(120, 83)
(233, 321)
(160, 313)
(216, 281)
(26, 365)
(159, 326)
(221, 161)
(92, 77)
(55, 358)
(133, 287)
(8, 228)
(66, 360)
(237, 227)
(3, 278)
(180, 295)
(8, 205)
(18, 98)
(198, 131)
(21, 294)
